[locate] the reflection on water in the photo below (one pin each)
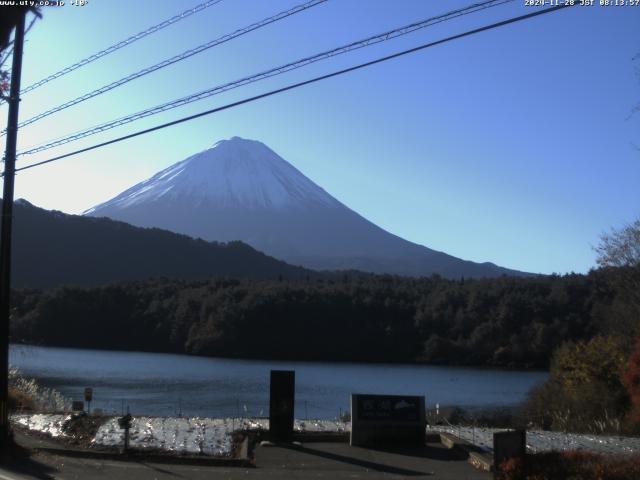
(166, 384)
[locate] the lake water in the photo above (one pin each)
(166, 384)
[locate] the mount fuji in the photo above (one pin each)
(242, 190)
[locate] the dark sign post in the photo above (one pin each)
(88, 396)
(508, 444)
(387, 419)
(125, 423)
(281, 402)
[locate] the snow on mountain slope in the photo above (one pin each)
(233, 173)
(241, 190)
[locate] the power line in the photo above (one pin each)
(121, 44)
(382, 37)
(301, 84)
(177, 58)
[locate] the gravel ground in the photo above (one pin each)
(541, 441)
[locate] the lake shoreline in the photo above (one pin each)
(284, 359)
(168, 384)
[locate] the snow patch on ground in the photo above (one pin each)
(213, 436)
(51, 424)
(200, 436)
(542, 441)
(206, 436)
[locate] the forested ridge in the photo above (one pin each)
(507, 321)
(92, 251)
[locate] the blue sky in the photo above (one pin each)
(513, 146)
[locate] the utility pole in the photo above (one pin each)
(5, 234)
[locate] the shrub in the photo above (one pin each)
(576, 465)
(28, 394)
(584, 391)
(20, 401)
(631, 380)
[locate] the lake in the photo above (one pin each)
(168, 384)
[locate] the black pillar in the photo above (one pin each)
(281, 402)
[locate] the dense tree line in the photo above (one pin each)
(506, 321)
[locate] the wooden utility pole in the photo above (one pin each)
(5, 234)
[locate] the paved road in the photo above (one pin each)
(340, 461)
(308, 461)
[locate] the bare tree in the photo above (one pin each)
(620, 248)
(619, 253)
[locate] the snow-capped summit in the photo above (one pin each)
(242, 190)
(233, 173)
